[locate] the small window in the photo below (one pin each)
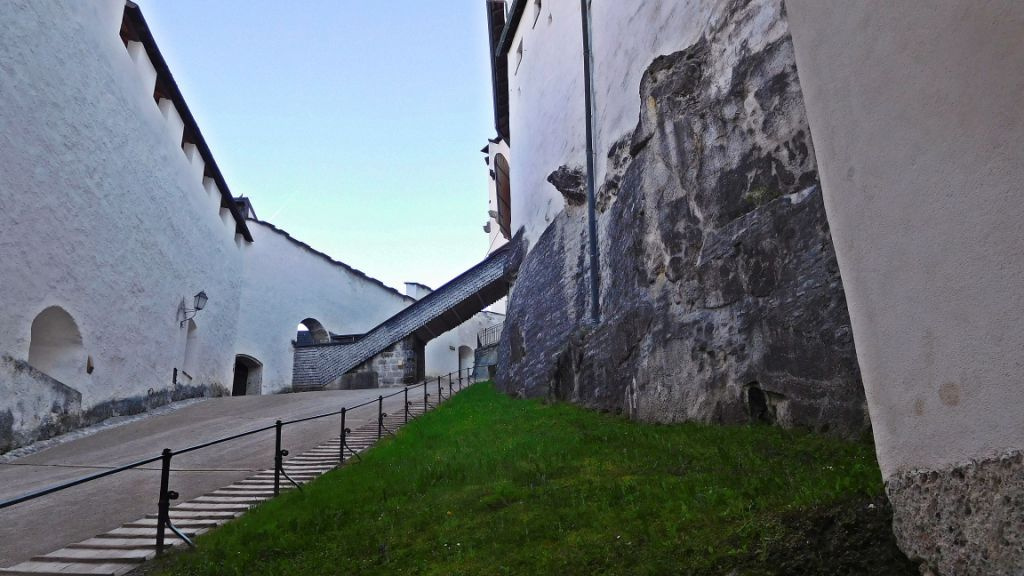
(536, 11)
(519, 55)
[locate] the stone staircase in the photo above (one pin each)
(124, 549)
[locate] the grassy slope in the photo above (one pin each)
(492, 485)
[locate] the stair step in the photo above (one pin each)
(35, 568)
(198, 515)
(179, 523)
(237, 493)
(97, 556)
(201, 507)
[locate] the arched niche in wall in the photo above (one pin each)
(311, 331)
(465, 357)
(504, 193)
(248, 378)
(56, 347)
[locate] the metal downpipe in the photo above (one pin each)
(588, 88)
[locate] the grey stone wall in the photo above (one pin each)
(721, 297)
(306, 372)
(399, 364)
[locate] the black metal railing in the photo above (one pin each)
(456, 382)
(489, 336)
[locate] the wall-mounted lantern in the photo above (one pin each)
(198, 303)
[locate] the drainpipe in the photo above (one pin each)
(595, 307)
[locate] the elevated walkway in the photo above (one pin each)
(320, 365)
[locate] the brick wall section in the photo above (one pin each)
(317, 366)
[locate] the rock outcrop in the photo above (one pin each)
(720, 294)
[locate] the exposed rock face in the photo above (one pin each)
(720, 294)
(571, 182)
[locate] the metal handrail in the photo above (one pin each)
(167, 495)
(490, 335)
(51, 489)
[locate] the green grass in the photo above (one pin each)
(493, 485)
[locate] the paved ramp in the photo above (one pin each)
(121, 550)
(40, 526)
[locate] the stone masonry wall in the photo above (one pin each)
(397, 366)
(720, 294)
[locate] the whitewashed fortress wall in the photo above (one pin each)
(287, 282)
(113, 216)
(916, 113)
(104, 214)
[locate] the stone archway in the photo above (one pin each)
(311, 331)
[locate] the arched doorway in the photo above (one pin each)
(465, 358)
(56, 347)
(311, 331)
(248, 376)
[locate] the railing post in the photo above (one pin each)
(380, 416)
(341, 447)
(450, 384)
(439, 388)
(164, 506)
(406, 404)
(278, 457)
(426, 396)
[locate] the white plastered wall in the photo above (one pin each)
(285, 283)
(495, 239)
(546, 106)
(103, 213)
(915, 110)
(442, 353)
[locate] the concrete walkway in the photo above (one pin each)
(36, 527)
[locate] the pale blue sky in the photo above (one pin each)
(354, 125)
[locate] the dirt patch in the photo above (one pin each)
(846, 539)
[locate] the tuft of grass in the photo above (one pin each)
(760, 196)
(488, 484)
